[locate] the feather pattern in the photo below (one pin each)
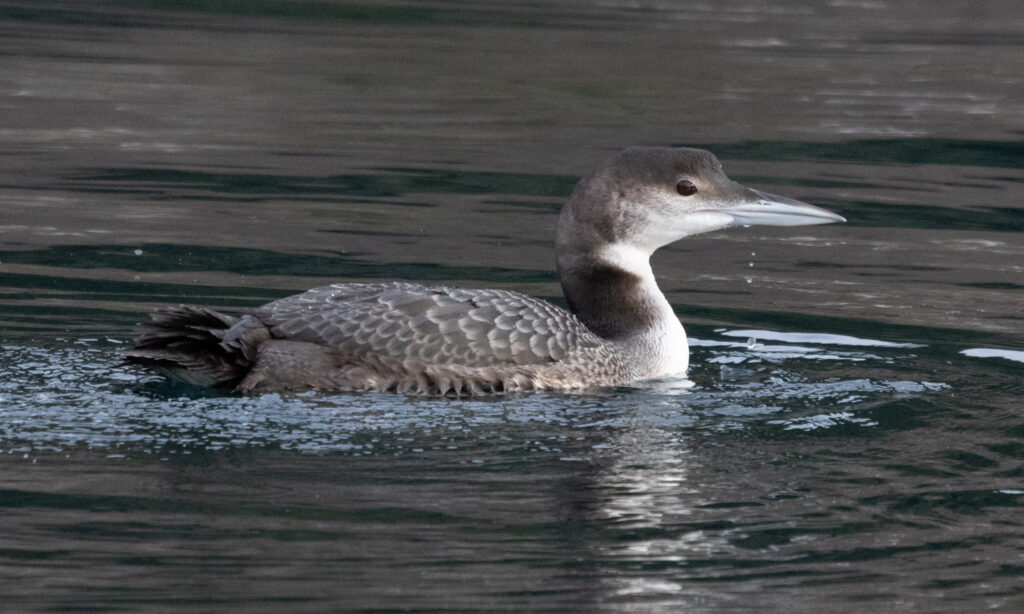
(435, 325)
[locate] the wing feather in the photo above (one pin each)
(432, 324)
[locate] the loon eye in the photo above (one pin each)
(686, 187)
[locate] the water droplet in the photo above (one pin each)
(751, 343)
(749, 280)
(138, 252)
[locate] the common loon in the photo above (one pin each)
(437, 340)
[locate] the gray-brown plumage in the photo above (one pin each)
(438, 340)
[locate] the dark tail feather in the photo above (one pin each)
(188, 343)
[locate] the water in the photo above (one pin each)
(852, 438)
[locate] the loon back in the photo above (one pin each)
(433, 325)
(438, 340)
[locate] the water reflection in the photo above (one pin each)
(1014, 355)
(648, 490)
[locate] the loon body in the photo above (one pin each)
(437, 340)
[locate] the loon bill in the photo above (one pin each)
(437, 340)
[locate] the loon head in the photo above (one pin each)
(646, 197)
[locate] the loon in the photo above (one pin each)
(444, 341)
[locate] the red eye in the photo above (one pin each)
(686, 187)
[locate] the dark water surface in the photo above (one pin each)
(854, 440)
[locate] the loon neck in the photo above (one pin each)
(612, 290)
